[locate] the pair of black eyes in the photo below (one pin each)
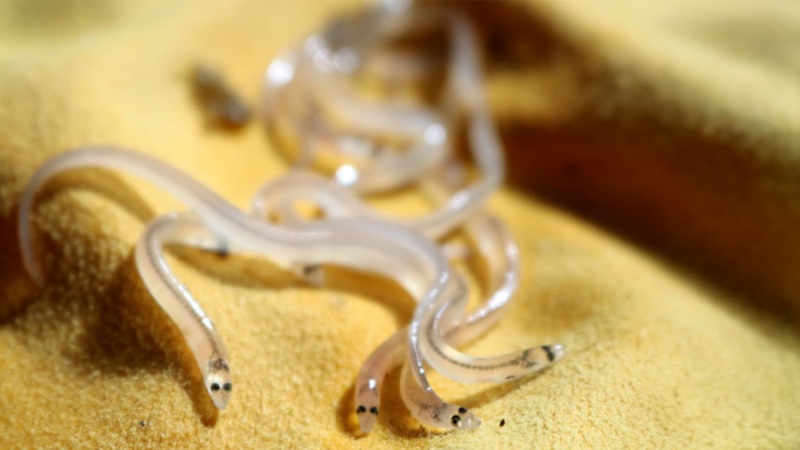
(215, 387)
(456, 418)
(362, 409)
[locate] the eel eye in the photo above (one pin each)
(374, 410)
(227, 387)
(455, 420)
(462, 410)
(361, 409)
(214, 387)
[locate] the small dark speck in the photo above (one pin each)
(503, 422)
(142, 424)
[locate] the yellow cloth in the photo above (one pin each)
(672, 131)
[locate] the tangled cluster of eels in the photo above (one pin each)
(344, 146)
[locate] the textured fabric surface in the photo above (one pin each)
(654, 190)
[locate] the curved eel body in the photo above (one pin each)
(315, 66)
(369, 245)
(177, 301)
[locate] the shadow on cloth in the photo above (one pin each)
(613, 147)
(18, 289)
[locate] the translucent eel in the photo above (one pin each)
(462, 90)
(336, 52)
(423, 402)
(485, 145)
(469, 369)
(498, 249)
(420, 129)
(475, 369)
(177, 301)
(333, 95)
(417, 393)
(320, 70)
(484, 142)
(488, 155)
(454, 211)
(501, 255)
(364, 244)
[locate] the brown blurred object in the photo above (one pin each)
(677, 125)
(222, 107)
